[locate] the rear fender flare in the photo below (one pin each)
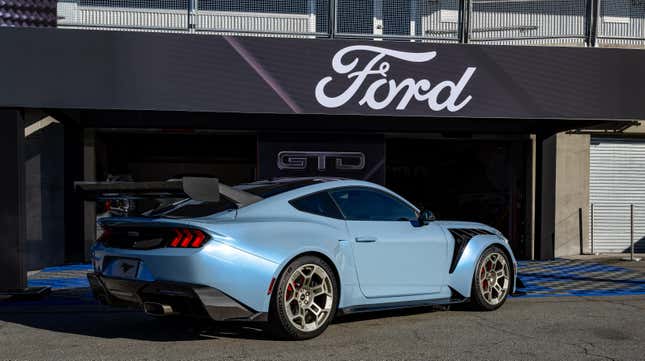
(334, 261)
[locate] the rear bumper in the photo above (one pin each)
(186, 299)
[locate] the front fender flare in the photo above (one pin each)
(462, 277)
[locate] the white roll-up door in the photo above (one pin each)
(617, 180)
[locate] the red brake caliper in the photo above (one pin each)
(482, 275)
(289, 291)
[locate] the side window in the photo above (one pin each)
(372, 205)
(317, 203)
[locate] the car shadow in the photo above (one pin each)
(372, 315)
(111, 325)
(75, 313)
(89, 318)
(60, 313)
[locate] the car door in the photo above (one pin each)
(394, 255)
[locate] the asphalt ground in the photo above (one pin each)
(548, 328)
(604, 320)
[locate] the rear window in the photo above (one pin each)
(192, 209)
(189, 208)
(318, 203)
(268, 189)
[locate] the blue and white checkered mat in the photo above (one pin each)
(556, 278)
(62, 277)
(562, 277)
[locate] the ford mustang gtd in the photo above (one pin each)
(293, 253)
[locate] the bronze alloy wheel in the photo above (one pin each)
(305, 300)
(492, 280)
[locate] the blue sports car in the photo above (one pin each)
(293, 253)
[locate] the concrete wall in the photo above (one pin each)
(565, 195)
(572, 193)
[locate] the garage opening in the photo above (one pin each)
(484, 180)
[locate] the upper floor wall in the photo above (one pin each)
(615, 23)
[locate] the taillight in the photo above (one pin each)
(104, 234)
(187, 238)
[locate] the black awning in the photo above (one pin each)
(80, 69)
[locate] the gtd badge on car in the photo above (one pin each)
(421, 90)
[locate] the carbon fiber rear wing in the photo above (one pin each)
(197, 188)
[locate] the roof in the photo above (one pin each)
(267, 188)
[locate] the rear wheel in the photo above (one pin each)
(492, 280)
(305, 300)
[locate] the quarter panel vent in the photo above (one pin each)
(462, 236)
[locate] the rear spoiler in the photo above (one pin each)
(197, 188)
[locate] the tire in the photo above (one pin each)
(306, 286)
(492, 280)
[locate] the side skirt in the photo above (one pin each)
(399, 305)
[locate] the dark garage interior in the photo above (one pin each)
(475, 179)
(481, 180)
(159, 155)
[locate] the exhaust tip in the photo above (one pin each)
(157, 309)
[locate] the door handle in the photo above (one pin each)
(365, 239)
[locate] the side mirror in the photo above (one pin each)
(426, 216)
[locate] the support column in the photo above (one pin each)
(332, 19)
(89, 174)
(465, 13)
(592, 18)
(562, 194)
(545, 190)
(531, 201)
(74, 208)
(12, 201)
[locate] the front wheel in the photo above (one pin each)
(305, 299)
(491, 281)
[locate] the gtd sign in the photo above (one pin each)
(298, 160)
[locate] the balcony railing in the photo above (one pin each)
(550, 22)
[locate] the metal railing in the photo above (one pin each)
(617, 228)
(556, 22)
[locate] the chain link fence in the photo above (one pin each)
(400, 19)
(284, 17)
(621, 23)
(613, 227)
(539, 22)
